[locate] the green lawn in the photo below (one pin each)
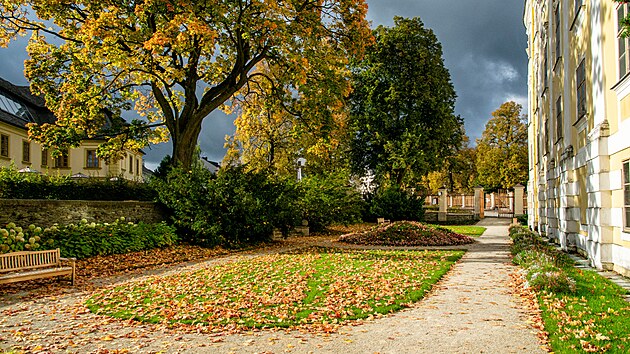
(469, 230)
(316, 286)
(593, 319)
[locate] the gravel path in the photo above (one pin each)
(470, 311)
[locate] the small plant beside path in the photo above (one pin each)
(317, 287)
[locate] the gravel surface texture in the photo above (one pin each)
(472, 310)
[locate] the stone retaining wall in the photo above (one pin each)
(24, 212)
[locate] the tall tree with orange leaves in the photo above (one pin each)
(176, 61)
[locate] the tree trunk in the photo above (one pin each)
(184, 144)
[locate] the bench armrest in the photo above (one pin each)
(71, 260)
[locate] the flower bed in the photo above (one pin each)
(406, 233)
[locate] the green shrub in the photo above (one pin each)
(329, 199)
(85, 239)
(524, 239)
(522, 219)
(90, 239)
(16, 185)
(396, 204)
(231, 208)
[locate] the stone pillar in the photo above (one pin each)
(442, 214)
(450, 201)
(511, 201)
(479, 202)
(492, 201)
(463, 201)
(519, 190)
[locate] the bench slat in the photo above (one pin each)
(25, 260)
(35, 274)
(20, 266)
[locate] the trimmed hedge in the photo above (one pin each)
(16, 185)
(88, 239)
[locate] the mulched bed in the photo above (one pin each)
(406, 233)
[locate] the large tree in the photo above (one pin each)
(176, 61)
(502, 149)
(402, 107)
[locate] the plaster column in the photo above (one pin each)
(442, 214)
(519, 190)
(479, 202)
(492, 201)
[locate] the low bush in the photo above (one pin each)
(16, 185)
(324, 200)
(232, 208)
(396, 204)
(85, 239)
(14, 238)
(522, 219)
(546, 267)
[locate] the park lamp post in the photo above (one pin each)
(301, 162)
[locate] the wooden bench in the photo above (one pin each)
(27, 265)
(382, 221)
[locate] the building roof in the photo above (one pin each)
(21, 97)
(211, 166)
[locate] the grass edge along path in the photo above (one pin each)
(595, 318)
(468, 230)
(318, 288)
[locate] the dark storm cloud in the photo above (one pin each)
(484, 49)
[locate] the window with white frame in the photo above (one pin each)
(559, 118)
(558, 35)
(623, 43)
(626, 194)
(580, 75)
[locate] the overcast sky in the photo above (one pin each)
(484, 48)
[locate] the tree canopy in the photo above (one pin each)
(502, 150)
(458, 172)
(402, 107)
(270, 137)
(174, 62)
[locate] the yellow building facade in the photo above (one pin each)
(579, 128)
(18, 108)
